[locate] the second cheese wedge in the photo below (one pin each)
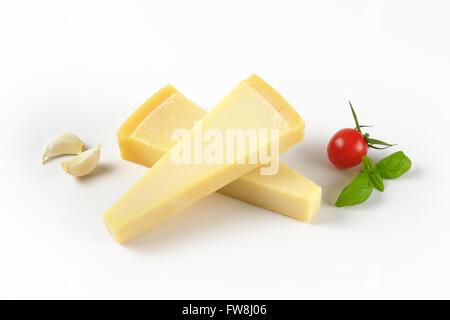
(169, 187)
(146, 136)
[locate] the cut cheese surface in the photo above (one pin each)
(287, 192)
(168, 187)
(153, 129)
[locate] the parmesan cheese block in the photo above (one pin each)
(169, 187)
(146, 135)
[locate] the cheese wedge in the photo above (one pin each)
(169, 187)
(146, 135)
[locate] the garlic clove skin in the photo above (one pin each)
(66, 143)
(82, 164)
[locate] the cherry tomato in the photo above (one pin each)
(346, 148)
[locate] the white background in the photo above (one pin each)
(84, 66)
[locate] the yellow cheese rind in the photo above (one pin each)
(142, 140)
(137, 150)
(168, 188)
(136, 117)
(259, 190)
(276, 100)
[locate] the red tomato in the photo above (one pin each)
(346, 148)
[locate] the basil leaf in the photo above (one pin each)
(393, 166)
(356, 192)
(368, 165)
(377, 181)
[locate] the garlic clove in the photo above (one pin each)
(83, 163)
(66, 143)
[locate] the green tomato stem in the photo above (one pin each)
(370, 142)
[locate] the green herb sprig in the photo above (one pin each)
(372, 175)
